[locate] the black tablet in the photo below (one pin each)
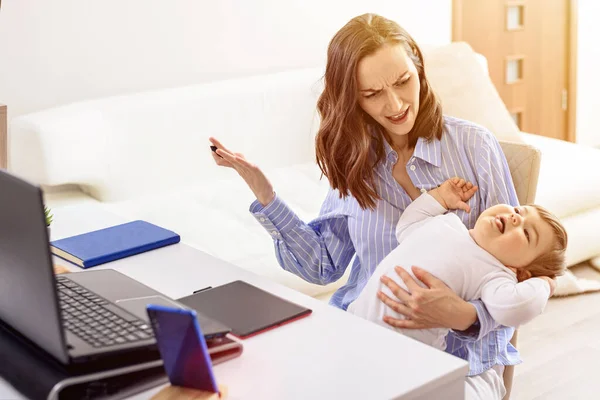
(246, 309)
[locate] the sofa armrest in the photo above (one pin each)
(66, 145)
(524, 163)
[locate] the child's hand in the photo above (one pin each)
(551, 282)
(455, 192)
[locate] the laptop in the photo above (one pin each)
(77, 317)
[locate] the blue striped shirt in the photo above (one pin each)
(344, 234)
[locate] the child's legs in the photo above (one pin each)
(488, 385)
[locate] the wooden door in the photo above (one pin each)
(530, 48)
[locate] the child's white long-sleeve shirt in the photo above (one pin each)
(441, 244)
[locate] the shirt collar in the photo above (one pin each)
(390, 153)
(426, 151)
(430, 152)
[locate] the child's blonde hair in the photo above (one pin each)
(552, 262)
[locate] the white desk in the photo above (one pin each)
(328, 355)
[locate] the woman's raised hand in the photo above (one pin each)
(255, 179)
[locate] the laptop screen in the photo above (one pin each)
(28, 299)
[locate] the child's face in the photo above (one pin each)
(514, 235)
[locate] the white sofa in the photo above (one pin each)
(146, 156)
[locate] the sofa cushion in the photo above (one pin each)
(569, 182)
(466, 91)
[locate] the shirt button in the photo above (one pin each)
(262, 219)
(423, 190)
(412, 167)
(274, 233)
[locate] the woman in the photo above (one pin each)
(381, 143)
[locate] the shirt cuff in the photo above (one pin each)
(479, 329)
(432, 204)
(276, 217)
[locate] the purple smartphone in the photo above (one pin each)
(182, 347)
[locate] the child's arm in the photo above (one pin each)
(453, 193)
(514, 304)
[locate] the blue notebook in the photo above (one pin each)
(109, 244)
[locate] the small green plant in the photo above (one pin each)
(48, 215)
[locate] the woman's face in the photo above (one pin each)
(388, 84)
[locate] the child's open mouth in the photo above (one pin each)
(500, 223)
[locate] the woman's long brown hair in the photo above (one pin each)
(349, 143)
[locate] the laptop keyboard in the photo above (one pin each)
(95, 320)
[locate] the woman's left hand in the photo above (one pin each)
(433, 306)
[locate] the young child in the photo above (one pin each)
(507, 260)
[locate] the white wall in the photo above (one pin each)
(54, 52)
(588, 73)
